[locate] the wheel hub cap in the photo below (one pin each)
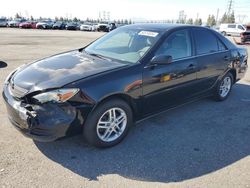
(112, 124)
(225, 86)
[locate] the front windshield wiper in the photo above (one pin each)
(98, 55)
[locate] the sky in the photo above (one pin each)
(123, 9)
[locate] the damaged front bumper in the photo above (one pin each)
(45, 122)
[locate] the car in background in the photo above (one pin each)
(127, 75)
(104, 27)
(245, 36)
(112, 26)
(232, 29)
(28, 25)
(59, 25)
(72, 26)
(46, 24)
(87, 27)
(16, 22)
(3, 22)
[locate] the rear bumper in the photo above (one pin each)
(247, 39)
(46, 122)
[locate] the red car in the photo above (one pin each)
(28, 25)
(245, 36)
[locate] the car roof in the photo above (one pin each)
(158, 27)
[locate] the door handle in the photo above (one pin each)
(226, 58)
(191, 67)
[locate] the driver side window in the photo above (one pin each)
(178, 45)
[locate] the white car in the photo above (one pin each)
(3, 22)
(232, 29)
(15, 23)
(87, 27)
(44, 25)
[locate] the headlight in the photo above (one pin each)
(6, 81)
(57, 96)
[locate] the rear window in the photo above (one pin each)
(205, 41)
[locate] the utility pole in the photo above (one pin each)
(217, 15)
(230, 7)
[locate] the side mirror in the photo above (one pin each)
(162, 59)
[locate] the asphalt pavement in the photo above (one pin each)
(201, 144)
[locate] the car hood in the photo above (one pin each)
(59, 70)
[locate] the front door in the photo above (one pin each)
(170, 84)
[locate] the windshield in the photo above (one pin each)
(124, 44)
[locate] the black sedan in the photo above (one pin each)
(129, 74)
(72, 26)
(59, 25)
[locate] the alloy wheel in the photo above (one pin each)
(111, 124)
(225, 86)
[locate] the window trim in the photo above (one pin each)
(217, 39)
(191, 44)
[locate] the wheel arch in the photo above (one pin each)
(121, 96)
(233, 72)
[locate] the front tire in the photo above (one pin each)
(108, 124)
(224, 87)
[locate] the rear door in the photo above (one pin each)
(212, 57)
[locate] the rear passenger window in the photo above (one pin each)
(206, 42)
(221, 46)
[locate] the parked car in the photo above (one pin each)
(28, 25)
(87, 27)
(72, 26)
(102, 27)
(16, 22)
(47, 24)
(3, 22)
(232, 29)
(245, 36)
(112, 26)
(59, 25)
(126, 75)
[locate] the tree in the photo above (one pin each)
(190, 21)
(75, 19)
(31, 18)
(61, 18)
(230, 18)
(198, 21)
(17, 15)
(211, 20)
(224, 18)
(130, 21)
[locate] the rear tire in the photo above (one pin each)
(224, 87)
(108, 124)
